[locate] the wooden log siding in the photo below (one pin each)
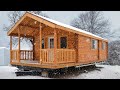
(40, 43)
(10, 49)
(19, 44)
(55, 46)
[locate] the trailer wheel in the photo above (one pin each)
(45, 74)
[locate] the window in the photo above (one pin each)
(103, 45)
(51, 42)
(43, 44)
(94, 44)
(63, 42)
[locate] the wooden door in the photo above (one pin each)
(51, 48)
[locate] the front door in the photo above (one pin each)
(51, 48)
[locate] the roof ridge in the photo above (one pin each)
(66, 25)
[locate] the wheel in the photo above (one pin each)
(44, 73)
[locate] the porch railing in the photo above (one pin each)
(66, 55)
(63, 55)
(24, 55)
(47, 55)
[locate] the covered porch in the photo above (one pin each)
(50, 46)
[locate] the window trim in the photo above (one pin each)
(50, 37)
(103, 45)
(95, 46)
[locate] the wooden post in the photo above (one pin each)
(55, 46)
(40, 42)
(19, 44)
(33, 48)
(76, 46)
(99, 49)
(10, 49)
(106, 50)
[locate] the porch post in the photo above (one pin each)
(40, 42)
(10, 49)
(55, 46)
(76, 46)
(19, 44)
(33, 48)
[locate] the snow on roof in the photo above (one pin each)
(67, 26)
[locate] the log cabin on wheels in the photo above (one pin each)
(55, 45)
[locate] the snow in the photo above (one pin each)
(105, 72)
(8, 72)
(67, 26)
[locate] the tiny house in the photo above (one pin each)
(55, 45)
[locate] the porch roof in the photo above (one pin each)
(52, 23)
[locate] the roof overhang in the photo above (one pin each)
(50, 24)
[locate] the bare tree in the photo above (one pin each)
(114, 53)
(14, 16)
(94, 22)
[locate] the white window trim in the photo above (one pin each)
(96, 44)
(49, 40)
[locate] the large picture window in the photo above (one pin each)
(94, 44)
(63, 42)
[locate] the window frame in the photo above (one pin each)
(44, 42)
(96, 44)
(103, 45)
(66, 41)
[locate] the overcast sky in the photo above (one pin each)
(67, 16)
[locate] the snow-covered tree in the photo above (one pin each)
(94, 22)
(14, 16)
(114, 53)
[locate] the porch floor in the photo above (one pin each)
(30, 61)
(27, 61)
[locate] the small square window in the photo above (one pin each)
(94, 44)
(103, 45)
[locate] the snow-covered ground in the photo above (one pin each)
(104, 72)
(8, 72)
